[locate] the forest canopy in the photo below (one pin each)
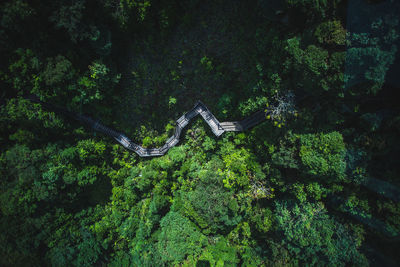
(316, 184)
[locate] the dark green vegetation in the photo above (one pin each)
(320, 186)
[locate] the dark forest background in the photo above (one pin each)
(316, 186)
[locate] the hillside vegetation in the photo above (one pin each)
(316, 184)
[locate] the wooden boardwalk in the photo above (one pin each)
(199, 108)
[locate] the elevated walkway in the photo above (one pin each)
(218, 128)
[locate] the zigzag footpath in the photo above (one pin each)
(199, 108)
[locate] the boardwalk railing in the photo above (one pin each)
(199, 108)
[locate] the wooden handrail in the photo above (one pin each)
(199, 108)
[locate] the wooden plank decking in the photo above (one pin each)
(218, 128)
(199, 108)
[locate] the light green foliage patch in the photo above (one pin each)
(323, 155)
(178, 238)
(314, 237)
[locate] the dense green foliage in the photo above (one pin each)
(317, 184)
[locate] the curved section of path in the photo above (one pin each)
(199, 108)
